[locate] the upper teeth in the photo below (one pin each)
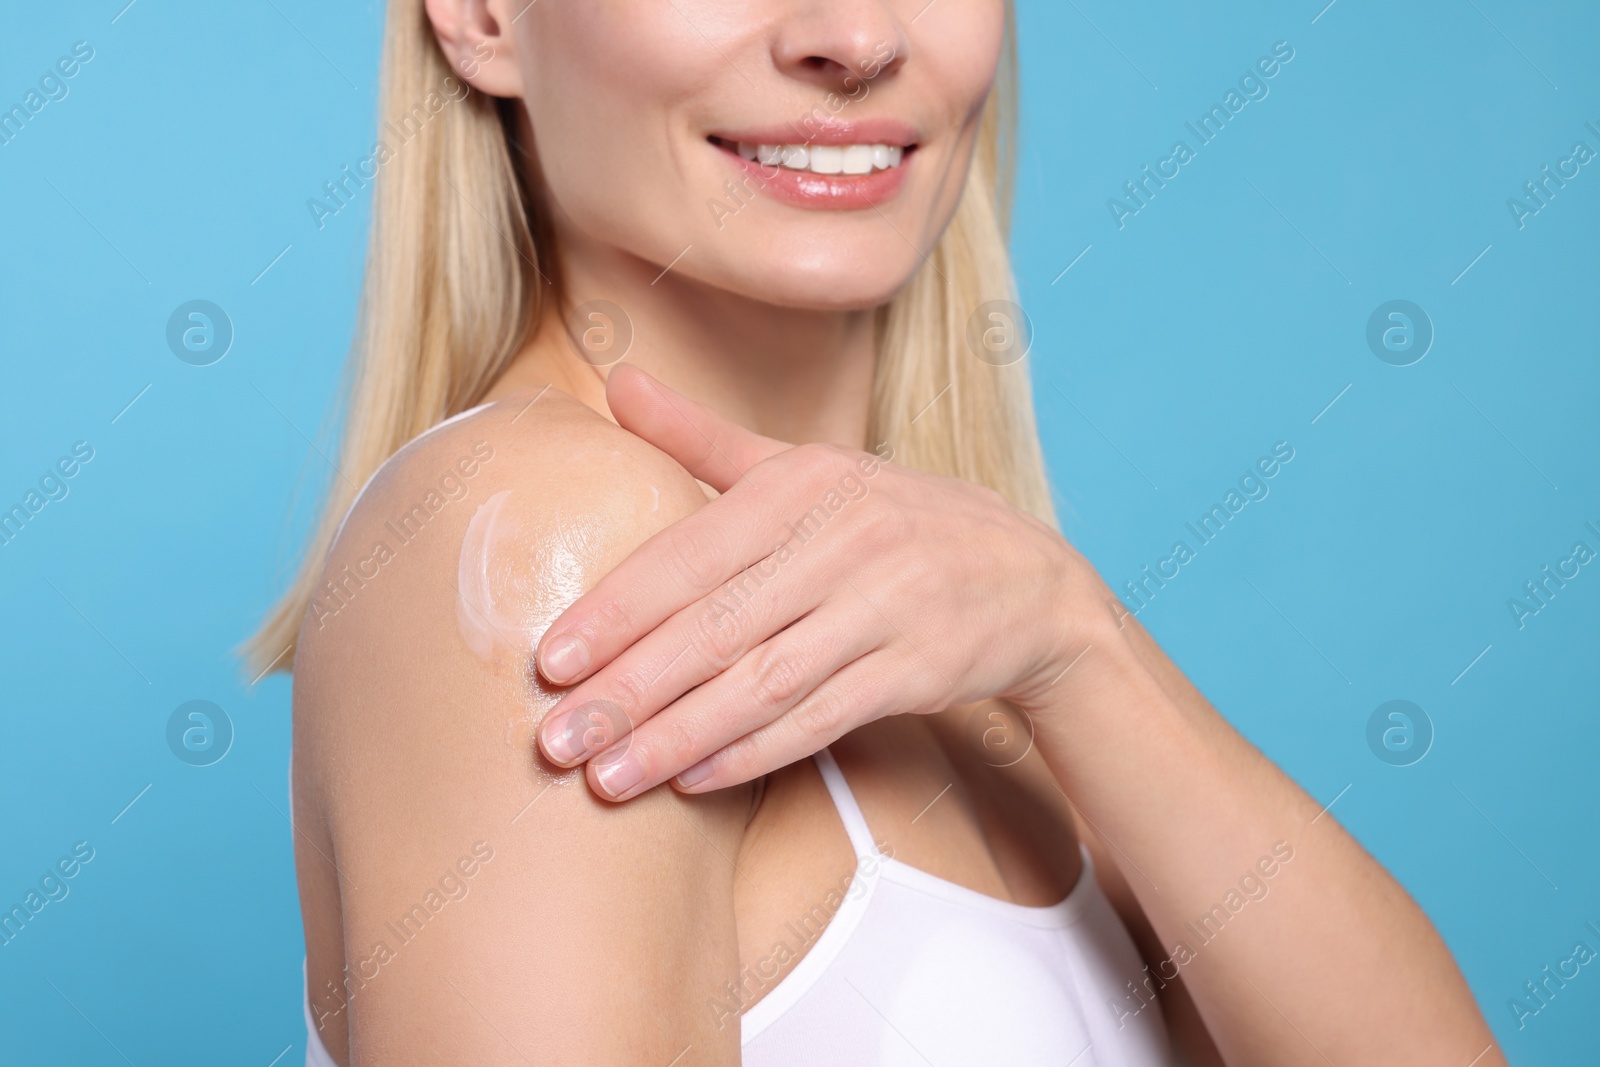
(825, 158)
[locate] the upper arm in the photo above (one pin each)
(492, 910)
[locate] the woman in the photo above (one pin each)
(792, 211)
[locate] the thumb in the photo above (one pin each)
(713, 448)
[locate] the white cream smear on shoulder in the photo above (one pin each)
(512, 582)
(477, 613)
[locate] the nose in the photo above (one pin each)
(837, 44)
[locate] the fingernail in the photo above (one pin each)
(621, 775)
(564, 659)
(563, 739)
(571, 736)
(696, 774)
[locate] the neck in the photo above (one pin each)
(793, 374)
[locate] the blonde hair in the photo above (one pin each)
(459, 267)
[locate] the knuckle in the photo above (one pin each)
(916, 574)
(743, 588)
(780, 679)
(925, 703)
(823, 716)
(720, 634)
(826, 462)
(840, 460)
(889, 528)
(696, 556)
(813, 453)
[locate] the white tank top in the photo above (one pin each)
(913, 970)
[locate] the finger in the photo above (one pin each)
(713, 448)
(696, 644)
(678, 566)
(765, 686)
(853, 697)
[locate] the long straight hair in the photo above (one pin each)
(460, 263)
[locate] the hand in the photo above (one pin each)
(823, 589)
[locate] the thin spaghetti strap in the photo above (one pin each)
(855, 824)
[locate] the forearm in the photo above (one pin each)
(1296, 945)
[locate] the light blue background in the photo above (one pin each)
(1223, 317)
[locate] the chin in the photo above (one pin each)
(811, 271)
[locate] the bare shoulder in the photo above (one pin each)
(468, 542)
(415, 710)
(554, 473)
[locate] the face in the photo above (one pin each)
(806, 153)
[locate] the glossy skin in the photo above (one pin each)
(603, 932)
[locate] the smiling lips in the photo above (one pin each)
(842, 168)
